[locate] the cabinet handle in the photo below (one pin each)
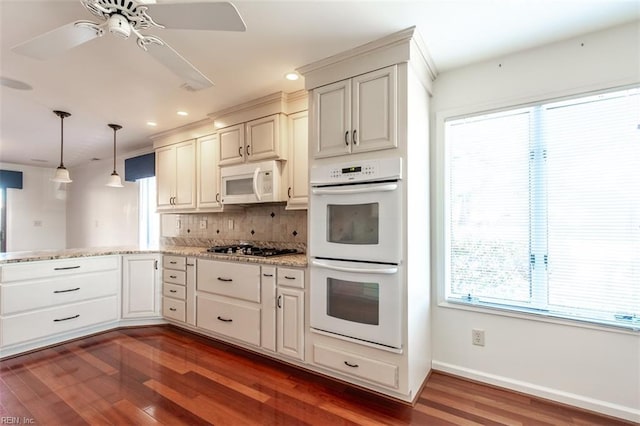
(280, 301)
(173, 276)
(224, 319)
(226, 280)
(351, 365)
(172, 309)
(217, 197)
(173, 291)
(289, 192)
(355, 140)
(289, 278)
(346, 138)
(66, 291)
(64, 268)
(247, 150)
(240, 151)
(173, 262)
(66, 319)
(267, 275)
(191, 264)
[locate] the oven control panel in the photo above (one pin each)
(357, 171)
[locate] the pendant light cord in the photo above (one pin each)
(61, 139)
(115, 128)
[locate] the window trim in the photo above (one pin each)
(441, 204)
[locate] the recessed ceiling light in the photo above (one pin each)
(292, 76)
(152, 123)
(183, 113)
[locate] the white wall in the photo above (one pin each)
(594, 368)
(35, 213)
(97, 215)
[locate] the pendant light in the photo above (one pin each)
(114, 179)
(62, 174)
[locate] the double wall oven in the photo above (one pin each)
(355, 246)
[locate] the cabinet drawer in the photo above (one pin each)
(230, 319)
(48, 322)
(229, 279)
(27, 295)
(174, 290)
(174, 262)
(55, 268)
(291, 277)
(174, 309)
(173, 276)
(356, 365)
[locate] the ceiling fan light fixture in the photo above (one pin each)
(114, 180)
(62, 174)
(119, 25)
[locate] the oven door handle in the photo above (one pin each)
(357, 190)
(382, 269)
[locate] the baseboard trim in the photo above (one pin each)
(580, 401)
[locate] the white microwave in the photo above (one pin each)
(251, 183)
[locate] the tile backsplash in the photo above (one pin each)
(263, 223)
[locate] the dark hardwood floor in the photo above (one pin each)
(164, 375)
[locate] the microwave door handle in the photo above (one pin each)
(388, 270)
(345, 191)
(256, 175)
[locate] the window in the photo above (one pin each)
(149, 220)
(543, 209)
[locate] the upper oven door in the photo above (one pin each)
(357, 222)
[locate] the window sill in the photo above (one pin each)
(488, 309)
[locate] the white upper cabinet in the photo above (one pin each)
(176, 176)
(356, 115)
(256, 140)
(298, 164)
(208, 176)
(231, 145)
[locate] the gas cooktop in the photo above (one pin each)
(251, 250)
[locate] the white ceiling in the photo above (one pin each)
(109, 80)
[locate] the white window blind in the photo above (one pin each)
(543, 209)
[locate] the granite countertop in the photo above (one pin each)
(293, 260)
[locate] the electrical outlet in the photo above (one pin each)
(203, 224)
(230, 224)
(477, 337)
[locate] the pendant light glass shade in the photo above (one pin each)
(114, 180)
(62, 174)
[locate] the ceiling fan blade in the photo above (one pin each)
(219, 16)
(54, 42)
(171, 59)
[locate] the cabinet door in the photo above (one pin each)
(165, 176)
(185, 196)
(140, 286)
(298, 164)
(290, 305)
(207, 181)
(263, 138)
(331, 126)
(374, 110)
(231, 145)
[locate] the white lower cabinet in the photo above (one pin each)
(290, 312)
(45, 302)
(140, 286)
(178, 288)
(232, 319)
(352, 364)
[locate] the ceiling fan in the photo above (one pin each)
(125, 17)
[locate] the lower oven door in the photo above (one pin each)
(358, 300)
